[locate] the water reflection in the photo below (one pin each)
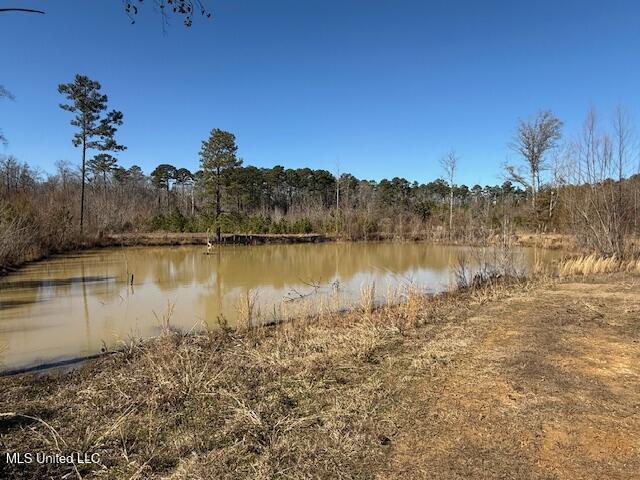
(70, 306)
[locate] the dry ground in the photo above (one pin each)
(547, 240)
(544, 384)
(534, 381)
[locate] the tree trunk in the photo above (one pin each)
(338, 203)
(84, 156)
(534, 209)
(450, 212)
(533, 192)
(218, 207)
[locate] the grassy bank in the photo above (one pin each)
(476, 384)
(307, 399)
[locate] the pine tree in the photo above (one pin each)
(101, 165)
(161, 179)
(96, 129)
(217, 158)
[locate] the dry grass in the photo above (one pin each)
(552, 241)
(248, 311)
(594, 264)
(367, 298)
(296, 400)
(28, 234)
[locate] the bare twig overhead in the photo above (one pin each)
(25, 10)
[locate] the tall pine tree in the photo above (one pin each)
(217, 159)
(161, 179)
(96, 129)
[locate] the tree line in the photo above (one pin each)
(586, 185)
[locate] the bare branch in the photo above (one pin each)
(26, 10)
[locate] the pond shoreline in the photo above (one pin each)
(158, 239)
(72, 306)
(168, 238)
(53, 366)
(549, 241)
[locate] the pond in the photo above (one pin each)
(76, 305)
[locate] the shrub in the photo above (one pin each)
(302, 225)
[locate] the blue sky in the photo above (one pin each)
(383, 87)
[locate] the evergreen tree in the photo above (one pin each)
(102, 165)
(183, 177)
(135, 174)
(161, 178)
(96, 129)
(120, 175)
(217, 159)
(184, 180)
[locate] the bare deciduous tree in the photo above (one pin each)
(533, 140)
(600, 203)
(448, 164)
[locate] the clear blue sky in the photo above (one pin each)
(386, 87)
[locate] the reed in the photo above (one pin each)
(594, 264)
(164, 320)
(247, 310)
(367, 298)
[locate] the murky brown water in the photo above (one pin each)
(71, 306)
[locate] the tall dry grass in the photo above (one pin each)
(248, 312)
(594, 264)
(368, 298)
(295, 401)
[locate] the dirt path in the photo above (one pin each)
(545, 385)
